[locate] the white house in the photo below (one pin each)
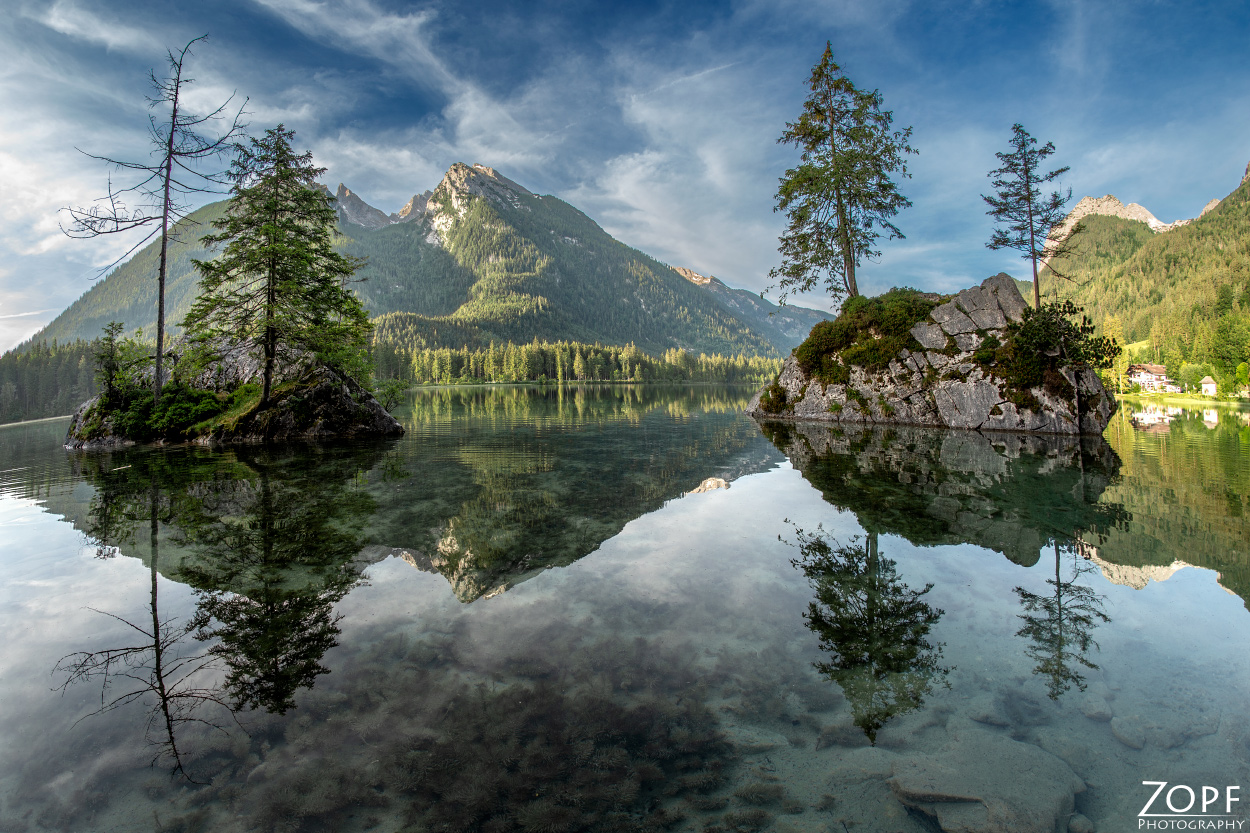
(1149, 377)
(1208, 386)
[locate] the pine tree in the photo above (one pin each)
(279, 286)
(840, 199)
(1034, 225)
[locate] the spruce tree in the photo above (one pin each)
(840, 198)
(279, 286)
(1034, 225)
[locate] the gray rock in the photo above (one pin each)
(1007, 294)
(983, 782)
(951, 319)
(929, 335)
(81, 436)
(908, 394)
(1096, 708)
(976, 298)
(966, 404)
(989, 319)
(322, 405)
(967, 341)
(1079, 824)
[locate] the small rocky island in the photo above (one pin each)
(315, 404)
(972, 360)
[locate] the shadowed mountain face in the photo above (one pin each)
(478, 259)
(1011, 493)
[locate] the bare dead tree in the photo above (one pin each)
(164, 190)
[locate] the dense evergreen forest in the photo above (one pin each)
(564, 362)
(1185, 292)
(46, 380)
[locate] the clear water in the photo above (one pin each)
(543, 610)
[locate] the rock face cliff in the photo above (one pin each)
(948, 376)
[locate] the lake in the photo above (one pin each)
(629, 608)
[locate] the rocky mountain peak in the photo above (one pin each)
(415, 208)
(352, 209)
(463, 182)
(1247, 174)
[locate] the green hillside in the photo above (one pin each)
(128, 293)
(1185, 292)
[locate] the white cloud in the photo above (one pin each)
(74, 21)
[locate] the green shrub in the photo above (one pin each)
(868, 333)
(773, 399)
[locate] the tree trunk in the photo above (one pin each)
(1028, 198)
(271, 336)
(158, 374)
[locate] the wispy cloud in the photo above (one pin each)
(80, 23)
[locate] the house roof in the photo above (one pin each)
(1207, 380)
(1156, 369)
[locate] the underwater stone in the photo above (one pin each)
(1096, 708)
(986, 783)
(751, 739)
(1129, 731)
(1079, 824)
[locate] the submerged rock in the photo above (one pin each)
(946, 384)
(985, 783)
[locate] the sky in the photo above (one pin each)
(658, 119)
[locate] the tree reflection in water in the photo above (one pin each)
(1060, 626)
(268, 547)
(873, 626)
(157, 667)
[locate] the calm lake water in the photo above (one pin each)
(628, 608)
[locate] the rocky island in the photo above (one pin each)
(978, 359)
(315, 404)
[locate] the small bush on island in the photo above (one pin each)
(868, 333)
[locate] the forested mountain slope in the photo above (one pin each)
(481, 259)
(1185, 290)
(128, 293)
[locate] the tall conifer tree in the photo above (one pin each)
(279, 286)
(840, 198)
(1034, 225)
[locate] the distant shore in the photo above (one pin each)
(1182, 399)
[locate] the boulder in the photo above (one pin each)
(90, 430)
(322, 404)
(986, 783)
(944, 384)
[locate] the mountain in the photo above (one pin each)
(784, 325)
(1184, 287)
(480, 259)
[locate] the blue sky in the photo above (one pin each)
(658, 119)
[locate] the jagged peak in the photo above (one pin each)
(414, 209)
(480, 180)
(352, 209)
(1247, 174)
